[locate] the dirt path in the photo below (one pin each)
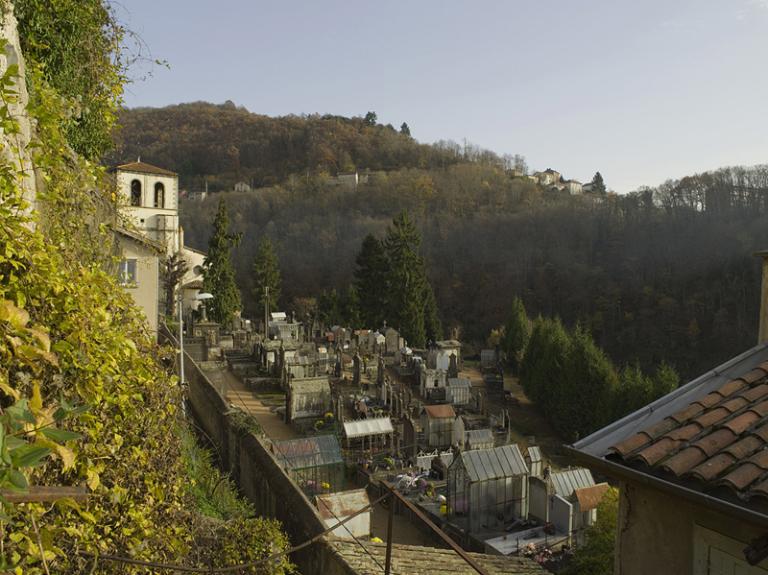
(239, 396)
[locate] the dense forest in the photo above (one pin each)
(220, 145)
(661, 274)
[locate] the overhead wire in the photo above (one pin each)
(232, 568)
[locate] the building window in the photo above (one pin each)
(135, 193)
(159, 195)
(126, 274)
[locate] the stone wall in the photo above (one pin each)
(250, 462)
(14, 148)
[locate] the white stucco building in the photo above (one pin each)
(149, 198)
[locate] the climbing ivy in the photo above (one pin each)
(78, 47)
(70, 336)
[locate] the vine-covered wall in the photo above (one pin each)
(84, 397)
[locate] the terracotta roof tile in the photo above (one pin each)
(755, 393)
(710, 399)
(713, 467)
(741, 422)
(145, 168)
(714, 442)
(761, 432)
(744, 447)
(755, 375)
(719, 440)
(685, 433)
(760, 488)
(688, 413)
(760, 459)
(735, 404)
(653, 454)
(658, 429)
(761, 408)
(741, 477)
(712, 416)
(731, 387)
(685, 460)
(633, 443)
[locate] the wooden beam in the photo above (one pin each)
(44, 494)
(442, 534)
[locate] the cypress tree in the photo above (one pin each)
(432, 324)
(591, 382)
(634, 391)
(218, 274)
(371, 282)
(517, 332)
(542, 371)
(408, 282)
(266, 273)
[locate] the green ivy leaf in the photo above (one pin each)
(29, 455)
(60, 435)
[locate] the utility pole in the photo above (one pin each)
(266, 313)
(181, 330)
(390, 521)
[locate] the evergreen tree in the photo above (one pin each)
(635, 390)
(218, 274)
(349, 308)
(370, 119)
(433, 327)
(665, 380)
(329, 308)
(591, 381)
(371, 282)
(517, 332)
(266, 274)
(598, 185)
(408, 283)
(542, 371)
(405, 130)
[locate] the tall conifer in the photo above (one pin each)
(266, 274)
(218, 274)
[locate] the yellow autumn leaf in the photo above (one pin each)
(92, 480)
(16, 316)
(36, 401)
(67, 456)
(7, 389)
(41, 336)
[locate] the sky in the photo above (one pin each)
(640, 91)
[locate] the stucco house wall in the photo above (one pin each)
(145, 291)
(659, 533)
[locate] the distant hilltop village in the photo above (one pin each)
(550, 179)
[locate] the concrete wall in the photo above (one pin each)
(561, 514)
(657, 532)
(539, 499)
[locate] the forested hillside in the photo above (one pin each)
(665, 273)
(224, 144)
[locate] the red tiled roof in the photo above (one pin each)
(718, 440)
(440, 411)
(589, 497)
(144, 168)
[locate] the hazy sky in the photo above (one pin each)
(640, 90)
